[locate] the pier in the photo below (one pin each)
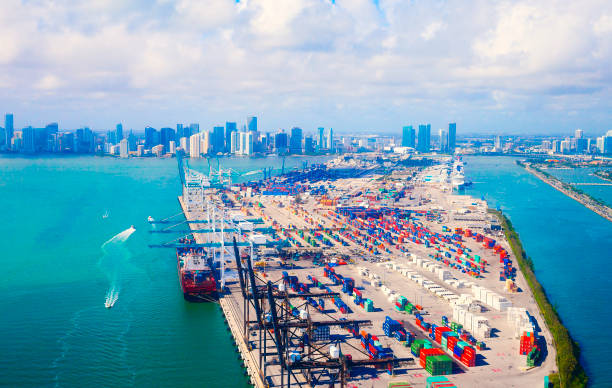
(320, 295)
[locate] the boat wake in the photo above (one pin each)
(112, 262)
(111, 298)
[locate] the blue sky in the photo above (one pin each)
(354, 65)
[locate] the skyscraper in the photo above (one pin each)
(579, 134)
(329, 140)
(151, 137)
(408, 136)
(193, 128)
(280, 142)
(180, 131)
(119, 133)
(443, 136)
(124, 151)
(167, 135)
(424, 138)
(218, 141)
(229, 128)
(195, 146)
(8, 128)
(452, 137)
(296, 141)
(252, 124)
(308, 145)
(320, 142)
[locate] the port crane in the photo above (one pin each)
(275, 321)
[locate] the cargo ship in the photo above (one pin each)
(196, 276)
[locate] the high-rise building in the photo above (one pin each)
(565, 146)
(234, 139)
(180, 131)
(408, 136)
(193, 128)
(498, 143)
(195, 146)
(308, 145)
(229, 128)
(132, 141)
(27, 136)
(218, 141)
(172, 147)
(579, 134)
(329, 140)
(296, 141)
(119, 132)
(9, 129)
(185, 144)
(205, 144)
(582, 144)
(443, 139)
(556, 146)
(124, 151)
(252, 124)
(424, 138)
(166, 136)
(151, 137)
(280, 142)
(321, 141)
(452, 138)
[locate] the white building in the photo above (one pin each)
(245, 146)
(140, 150)
(234, 142)
(124, 151)
(172, 147)
(205, 143)
(195, 146)
(184, 144)
(158, 150)
(565, 146)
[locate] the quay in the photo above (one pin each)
(370, 280)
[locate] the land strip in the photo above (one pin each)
(571, 373)
(588, 201)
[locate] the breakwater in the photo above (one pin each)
(588, 201)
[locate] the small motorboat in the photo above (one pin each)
(150, 219)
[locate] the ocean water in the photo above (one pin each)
(570, 245)
(68, 248)
(585, 175)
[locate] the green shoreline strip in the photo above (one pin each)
(571, 373)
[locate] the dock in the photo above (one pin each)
(351, 290)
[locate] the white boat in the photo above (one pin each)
(108, 304)
(150, 219)
(105, 215)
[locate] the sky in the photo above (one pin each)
(359, 66)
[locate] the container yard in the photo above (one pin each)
(364, 273)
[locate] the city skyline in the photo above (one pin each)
(488, 66)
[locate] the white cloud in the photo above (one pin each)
(218, 58)
(431, 30)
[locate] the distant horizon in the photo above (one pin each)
(371, 132)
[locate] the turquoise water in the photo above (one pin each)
(570, 245)
(585, 175)
(61, 257)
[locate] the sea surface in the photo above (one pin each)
(67, 247)
(570, 245)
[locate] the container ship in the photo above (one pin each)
(196, 277)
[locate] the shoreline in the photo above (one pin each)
(586, 200)
(601, 176)
(571, 373)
